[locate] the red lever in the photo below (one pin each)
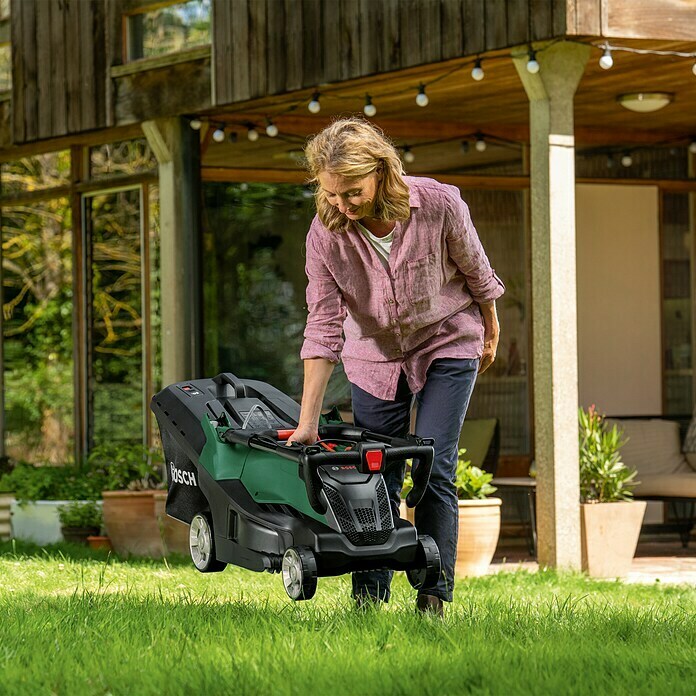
(374, 459)
(285, 434)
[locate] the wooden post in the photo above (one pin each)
(554, 305)
(176, 147)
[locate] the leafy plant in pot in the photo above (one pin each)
(610, 519)
(80, 520)
(134, 501)
(479, 519)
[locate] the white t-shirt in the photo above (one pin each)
(382, 245)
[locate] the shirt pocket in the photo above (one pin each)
(423, 279)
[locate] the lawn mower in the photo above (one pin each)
(305, 511)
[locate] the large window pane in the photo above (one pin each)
(115, 311)
(44, 171)
(121, 158)
(676, 297)
(503, 390)
(37, 331)
(254, 284)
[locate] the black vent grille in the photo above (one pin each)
(384, 507)
(368, 538)
(340, 510)
(366, 518)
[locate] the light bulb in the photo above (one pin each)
(219, 135)
(464, 147)
(606, 61)
(252, 134)
(196, 123)
(693, 68)
(408, 155)
(692, 147)
(271, 129)
(532, 65)
(477, 71)
(626, 159)
(422, 97)
(481, 144)
(314, 106)
(369, 109)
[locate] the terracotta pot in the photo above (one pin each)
(78, 535)
(100, 542)
(175, 534)
(609, 537)
(479, 529)
(6, 500)
(131, 523)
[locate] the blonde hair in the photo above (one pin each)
(354, 148)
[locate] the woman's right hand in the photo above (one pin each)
(304, 435)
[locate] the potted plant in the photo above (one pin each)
(80, 520)
(134, 498)
(38, 493)
(610, 519)
(479, 519)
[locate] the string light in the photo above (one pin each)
(196, 123)
(692, 147)
(422, 97)
(252, 133)
(626, 159)
(480, 143)
(606, 61)
(477, 71)
(532, 65)
(408, 155)
(369, 109)
(314, 106)
(271, 128)
(219, 135)
(693, 68)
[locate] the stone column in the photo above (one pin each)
(554, 306)
(177, 149)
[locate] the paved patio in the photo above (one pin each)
(655, 561)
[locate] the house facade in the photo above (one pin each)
(154, 205)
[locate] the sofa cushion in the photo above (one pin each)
(653, 446)
(681, 485)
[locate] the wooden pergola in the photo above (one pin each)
(269, 58)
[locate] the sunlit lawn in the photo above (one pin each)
(73, 622)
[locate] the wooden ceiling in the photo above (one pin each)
(459, 107)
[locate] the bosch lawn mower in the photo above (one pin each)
(305, 511)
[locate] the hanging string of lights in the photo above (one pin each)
(314, 106)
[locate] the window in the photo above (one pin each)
(121, 158)
(169, 29)
(45, 171)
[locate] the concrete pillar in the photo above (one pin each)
(554, 306)
(177, 149)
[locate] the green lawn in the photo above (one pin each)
(73, 622)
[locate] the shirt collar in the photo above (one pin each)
(413, 197)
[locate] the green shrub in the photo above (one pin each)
(79, 514)
(131, 467)
(472, 483)
(70, 482)
(604, 478)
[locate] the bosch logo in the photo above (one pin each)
(187, 478)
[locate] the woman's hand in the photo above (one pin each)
(491, 335)
(304, 435)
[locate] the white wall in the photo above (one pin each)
(618, 269)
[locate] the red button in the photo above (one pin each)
(374, 459)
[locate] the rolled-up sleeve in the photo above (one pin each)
(466, 250)
(326, 307)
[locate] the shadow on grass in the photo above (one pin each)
(78, 552)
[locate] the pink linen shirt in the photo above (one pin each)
(424, 306)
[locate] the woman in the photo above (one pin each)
(401, 290)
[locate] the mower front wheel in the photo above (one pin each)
(299, 569)
(202, 545)
(428, 566)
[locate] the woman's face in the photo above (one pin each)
(353, 197)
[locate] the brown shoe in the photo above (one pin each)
(430, 604)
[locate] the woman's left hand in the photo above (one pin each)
(491, 335)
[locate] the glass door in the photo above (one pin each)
(117, 316)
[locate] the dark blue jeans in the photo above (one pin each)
(442, 405)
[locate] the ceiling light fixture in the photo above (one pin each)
(645, 102)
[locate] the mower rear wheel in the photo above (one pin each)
(428, 568)
(299, 569)
(202, 545)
